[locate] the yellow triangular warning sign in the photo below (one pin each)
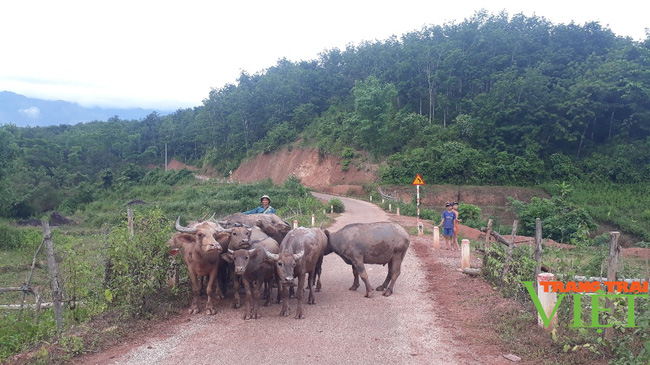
(418, 180)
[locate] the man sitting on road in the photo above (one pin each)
(265, 208)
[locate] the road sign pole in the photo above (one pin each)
(418, 189)
(420, 225)
(417, 182)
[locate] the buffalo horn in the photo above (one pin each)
(297, 256)
(231, 252)
(184, 229)
(272, 256)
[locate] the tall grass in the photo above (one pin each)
(624, 206)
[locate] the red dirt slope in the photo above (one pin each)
(312, 170)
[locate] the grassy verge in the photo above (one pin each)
(97, 311)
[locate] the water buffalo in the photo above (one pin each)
(254, 269)
(371, 243)
(201, 244)
(242, 237)
(270, 224)
(301, 252)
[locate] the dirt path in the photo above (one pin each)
(343, 327)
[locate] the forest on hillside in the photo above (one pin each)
(495, 99)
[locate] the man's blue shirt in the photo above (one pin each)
(260, 210)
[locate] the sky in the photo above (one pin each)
(168, 55)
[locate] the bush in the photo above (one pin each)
(337, 205)
(561, 220)
(12, 238)
(139, 264)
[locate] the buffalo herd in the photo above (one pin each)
(262, 252)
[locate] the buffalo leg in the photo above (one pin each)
(285, 299)
(277, 281)
(235, 285)
(268, 285)
(256, 297)
(310, 284)
(388, 277)
(355, 284)
(196, 290)
(248, 314)
(209, 307)
(299, 294)
(319, 270)
(361, 269)
(217, 293)
(396, 263)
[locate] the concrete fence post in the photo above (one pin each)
(548, 301)
(436, 237)
(295, 223)
(371, 198)
(464, 257)
(313, 220)
(129, 214)
(332, 208)
(390, 207)
(397, 210)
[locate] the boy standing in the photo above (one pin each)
(447, 223)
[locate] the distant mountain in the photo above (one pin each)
(29, 112)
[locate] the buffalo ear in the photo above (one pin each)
(327, 233)
(228, 257)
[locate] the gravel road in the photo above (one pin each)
(343, 327)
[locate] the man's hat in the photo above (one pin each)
(448, 204)
(265, 197)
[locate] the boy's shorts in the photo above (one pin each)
(448, 232)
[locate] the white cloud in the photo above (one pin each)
(31, 112)
(169, 54)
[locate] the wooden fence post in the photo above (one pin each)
(612, 269)
(54, 276)
(511, 244)
(31, 273)
(538, 248)
(108, 263)
(487, 234)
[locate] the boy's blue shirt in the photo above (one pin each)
(449, 218)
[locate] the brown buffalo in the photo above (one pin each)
(242, 237)
(270, 224)
(201, 244)
(254, 269)
(371, 243)
(301, 252)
